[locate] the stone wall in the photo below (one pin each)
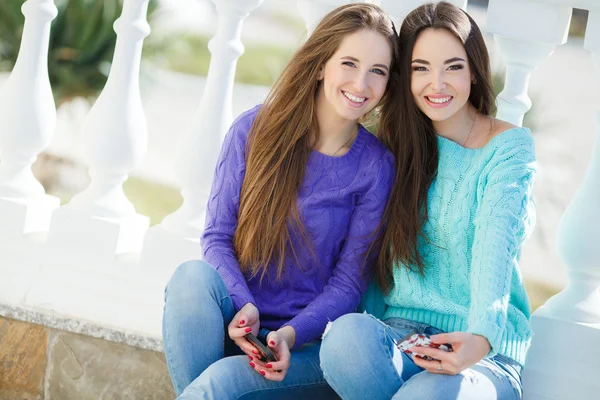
(40, 363)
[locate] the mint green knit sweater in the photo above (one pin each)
(480, 211)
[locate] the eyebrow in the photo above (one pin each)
(448, 61)
(357, 60)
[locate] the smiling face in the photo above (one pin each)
(354, 79)
(441, 77)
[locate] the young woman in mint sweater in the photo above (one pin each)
(295, 209)
(458, 218)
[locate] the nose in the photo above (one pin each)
(360, 81)
(438, 83)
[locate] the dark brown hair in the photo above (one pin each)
(410, 135)
(282, 137)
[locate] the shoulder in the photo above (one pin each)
(499, 126)
(511, 141)
(511, 156)
(246, 119)
(240, 127)
(379, 164)
(376, 150)
(506, 133)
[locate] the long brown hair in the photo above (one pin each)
(281, 139)
(409, 134)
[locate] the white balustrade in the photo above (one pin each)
(101, 221)
(577, 240)
(176, 239)
(572, 316)
(523, 46)
(28, 118)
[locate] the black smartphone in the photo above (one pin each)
(264, 353)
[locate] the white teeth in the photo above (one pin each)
(354, 98)
(439, 100)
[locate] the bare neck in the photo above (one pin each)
(458, 126)
(334, 131)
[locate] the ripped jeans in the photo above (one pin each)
(359, 362)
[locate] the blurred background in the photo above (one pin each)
(174, 66)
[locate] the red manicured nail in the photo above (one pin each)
(248, 330)
(263, 373)
(252, 364)
(251, 358)
(272, 343)
(269, 365)
(242, 322)
(255, 352)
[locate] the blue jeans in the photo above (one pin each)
(205, 363)
(359, 362)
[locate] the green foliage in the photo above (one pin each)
(11, 28)
(260, 64)
(539, 293)
(152, 199)
(82, 43)
(578, 22)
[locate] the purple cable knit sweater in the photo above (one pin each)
(340, 201)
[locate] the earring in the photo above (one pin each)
(474, 81)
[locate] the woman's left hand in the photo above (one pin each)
(468, 350)
(280, 342)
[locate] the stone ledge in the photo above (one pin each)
(42, 363)
(53, 320)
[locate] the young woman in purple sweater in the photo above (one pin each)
(292, 221)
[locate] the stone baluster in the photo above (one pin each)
(28, 118)
(101, 221)
(523, 46)
(573, 315)
(176, 239)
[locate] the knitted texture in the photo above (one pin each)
(341, 202)
(480, 212)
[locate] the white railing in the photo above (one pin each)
(28, 118)
(95, 258)
(557, 365)
(101, 222)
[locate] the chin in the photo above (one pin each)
(438, 116)
(351, 115)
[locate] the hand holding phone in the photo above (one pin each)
(264, 353)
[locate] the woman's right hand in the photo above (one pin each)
(245, 321)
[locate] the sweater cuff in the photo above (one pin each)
(489, 331)
(305, 331)
(241, 299)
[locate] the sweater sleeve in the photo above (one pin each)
(505, 218)
(222, 211)
(352, 272)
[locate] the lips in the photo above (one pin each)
(353, 98)
(354, 101)
(438, 101)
